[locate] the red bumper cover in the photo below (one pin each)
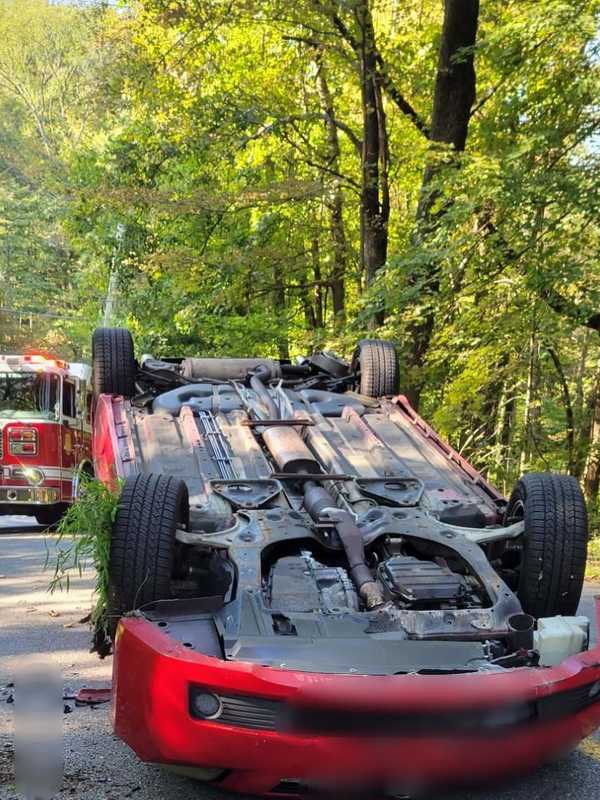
(151, 685)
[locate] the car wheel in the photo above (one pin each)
(375, 363)
(142, 548)
(113, 362)
(554, 545)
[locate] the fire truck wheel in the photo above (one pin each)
(113, 362)
(142, 549)
(375, 363)
(83, 476)
(50, 515)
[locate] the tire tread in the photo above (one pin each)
(143, 542)
(378, 363)
(555, 550)
(113, 362)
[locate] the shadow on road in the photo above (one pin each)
(14, 524)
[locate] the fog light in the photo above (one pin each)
(504, 716)
(206, 705)
(594, 691)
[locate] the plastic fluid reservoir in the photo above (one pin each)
(558, 638)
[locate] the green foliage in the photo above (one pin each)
(54, 59)
(84, 541)
(593, 566)
(198, 130)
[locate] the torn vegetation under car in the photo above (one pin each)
(83, 540)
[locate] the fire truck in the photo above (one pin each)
(45, 434)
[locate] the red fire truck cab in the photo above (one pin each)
(45, 434)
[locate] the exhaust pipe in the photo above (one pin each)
(317, 502)
(284, 444)
(289, 451)
(292, 455)
(258, 379)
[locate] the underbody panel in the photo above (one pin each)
(380, 461)
(383, 441)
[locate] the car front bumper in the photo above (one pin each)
(285, 730)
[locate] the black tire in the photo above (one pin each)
(554, 548)
(50, 515)
(375, 362)
(113, 362)
(142, 548)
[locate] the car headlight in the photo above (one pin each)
(33, 476)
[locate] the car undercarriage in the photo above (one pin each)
(324, 528)
(286, 533)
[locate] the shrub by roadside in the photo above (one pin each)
(84, 541)
(592, 572)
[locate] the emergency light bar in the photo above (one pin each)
(35, 358)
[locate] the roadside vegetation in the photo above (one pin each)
(83, 542)
(267, 178)
(593, 567)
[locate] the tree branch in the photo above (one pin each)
(493, 89)
(323, 168)
(266, 130)
(401, 102)
(390, 87)
(581, 315)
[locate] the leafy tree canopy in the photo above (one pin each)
(273, 177)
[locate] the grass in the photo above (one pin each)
(84, 541)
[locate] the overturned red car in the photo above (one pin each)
(310, 591)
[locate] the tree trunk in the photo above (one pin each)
(338, 272)
(309, 312)
(503, 436)
(305, 299)
(375, 201)
(455, 80)
(279, 305)
(336, 204)
(530, 417)
(581, 371)
(591, 479)
(453, 98)
(569, 415)
(582, 410)
(318, 285)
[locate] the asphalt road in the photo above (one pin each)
(34, 623)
